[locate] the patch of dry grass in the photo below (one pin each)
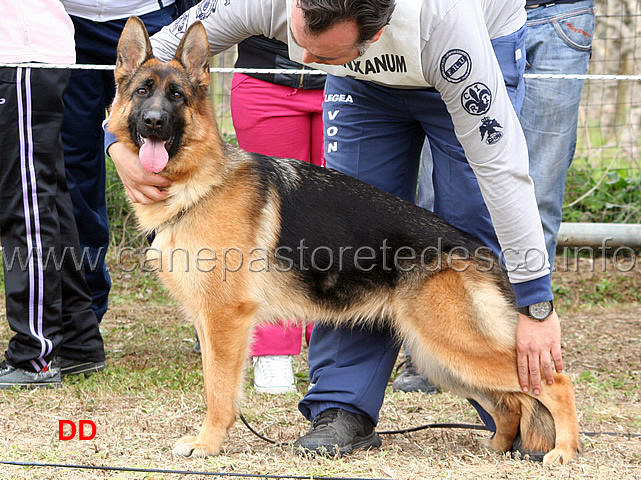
(151, 395)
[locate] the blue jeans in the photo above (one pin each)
(379, 137)
(558, 39)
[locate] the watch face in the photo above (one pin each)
(540, 311)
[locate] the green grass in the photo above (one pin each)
(604, 289)
(607, 174)
(613, 197)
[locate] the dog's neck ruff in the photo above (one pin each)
(179, 203)
(173, 220)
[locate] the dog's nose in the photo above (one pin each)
(153, 119)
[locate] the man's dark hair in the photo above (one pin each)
(370, 15)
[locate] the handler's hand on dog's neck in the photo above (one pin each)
(539, 355)
(141, 186)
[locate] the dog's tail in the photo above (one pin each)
(537, 427)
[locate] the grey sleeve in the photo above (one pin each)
(227, 24)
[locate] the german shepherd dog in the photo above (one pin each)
(245, 238)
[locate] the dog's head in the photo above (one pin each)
(157, 104)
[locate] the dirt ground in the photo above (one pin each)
(151, 395)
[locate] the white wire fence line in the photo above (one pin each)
(609, 133)
(280, 71)
(74, 66)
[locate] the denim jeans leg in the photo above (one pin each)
(558, 40)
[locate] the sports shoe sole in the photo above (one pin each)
(83, 368)
(366, 443)
(275, 390)
(30, 385)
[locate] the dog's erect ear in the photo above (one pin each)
(134, 48)
(193, 54)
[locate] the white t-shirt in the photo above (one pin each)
(106, 10)
(36, 31)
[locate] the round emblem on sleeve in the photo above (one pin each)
(205, 8)
(456, 65)
(476, 99)
(180, 25)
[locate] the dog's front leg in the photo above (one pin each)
(224, 340)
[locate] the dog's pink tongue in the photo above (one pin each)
(153, 155)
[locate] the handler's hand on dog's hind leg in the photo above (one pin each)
(538, 346)
(141, 186)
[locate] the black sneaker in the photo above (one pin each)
(411, 381)
(69, 366)
(338, 432)
(11, 376)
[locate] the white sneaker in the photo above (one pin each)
(274, 374)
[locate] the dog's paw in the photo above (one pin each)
(189, 447)
(559, 456)
(494, 444)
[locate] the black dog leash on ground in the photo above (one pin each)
(464, 426)
(460, 426)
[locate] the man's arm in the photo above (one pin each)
(490, 133)
(226, 24)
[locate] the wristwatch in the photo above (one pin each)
(538, 311)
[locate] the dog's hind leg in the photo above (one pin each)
(558, 398)
(224, 340)
(505, 410)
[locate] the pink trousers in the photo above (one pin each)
(284, 122)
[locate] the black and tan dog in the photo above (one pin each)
(244, 238)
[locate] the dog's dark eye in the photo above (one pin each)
(142, 91)
(177, 95)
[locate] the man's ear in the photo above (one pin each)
(377, 35)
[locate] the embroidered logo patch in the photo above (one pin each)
(180, 24)
(456, 65)
(489, 131)
(205, 8)
(476, 99)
